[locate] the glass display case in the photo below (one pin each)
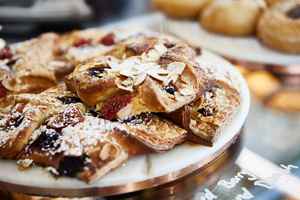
(263, 163)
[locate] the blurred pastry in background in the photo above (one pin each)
(279, 27)
(285, 100)
(180, 8)
(262, 84)
(232, 17)
(271, 2)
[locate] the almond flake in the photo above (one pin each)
(140, 79)
(172, 77)
(160, 77)
(151, 56)
(176, 67)
(126, 85)
(161, 49)
(188, 91)
(25, 163)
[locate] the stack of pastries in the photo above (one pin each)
(275, 22)
(81, 104)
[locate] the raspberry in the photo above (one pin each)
(82, 42)
(108, 40)
(113, 105)
(3, 91)
(5, 53)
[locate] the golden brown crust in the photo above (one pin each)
(16, 128)
(157, 72)
(206, 115)
(231, 17)
(97, 153)
(156, 133)
(279, 31)
(36, 67)
(27, 112)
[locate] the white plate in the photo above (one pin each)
(240, 48)
(143, 171)
(143, 168)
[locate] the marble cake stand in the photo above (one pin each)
(141, 172)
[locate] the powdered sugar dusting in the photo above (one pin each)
(76, 139)
(215, 70)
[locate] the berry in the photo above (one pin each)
(72, 165)
(82, 42)
(5, 53)
(170, 89)
(113, 105)
(108, 40)
(96, 71)
(69, 100)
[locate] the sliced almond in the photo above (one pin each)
(126, 84)
(106, 151)
(187, 91)
(140, 79)
(161, 49)
(176, 67)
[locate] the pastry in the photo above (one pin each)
(34, 65)
(286, 100)
(279, 27)
(16, 128)
(27, 113)
(79, 46)
(208, 114)
(181, 9)
(79, 146)
(231, 17)
(157, 76)
(156, 133)
(272, 2)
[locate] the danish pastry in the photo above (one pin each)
(78, 146)
(279, 27)
(27, 114)
(272, 2)
(156, 133)
(181, 9)
(231, 17)
(79, 46)
(35, 66)
(154, 80)
(16, 128)
(206, 115)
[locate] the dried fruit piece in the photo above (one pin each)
(69, 117)
(294, 13)
(108, 40)
(82, 42)
(170, 89)
(97, 71)
(113, 105)
(47, 140)
(69, 100)
(5, 53)
(71, 165)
